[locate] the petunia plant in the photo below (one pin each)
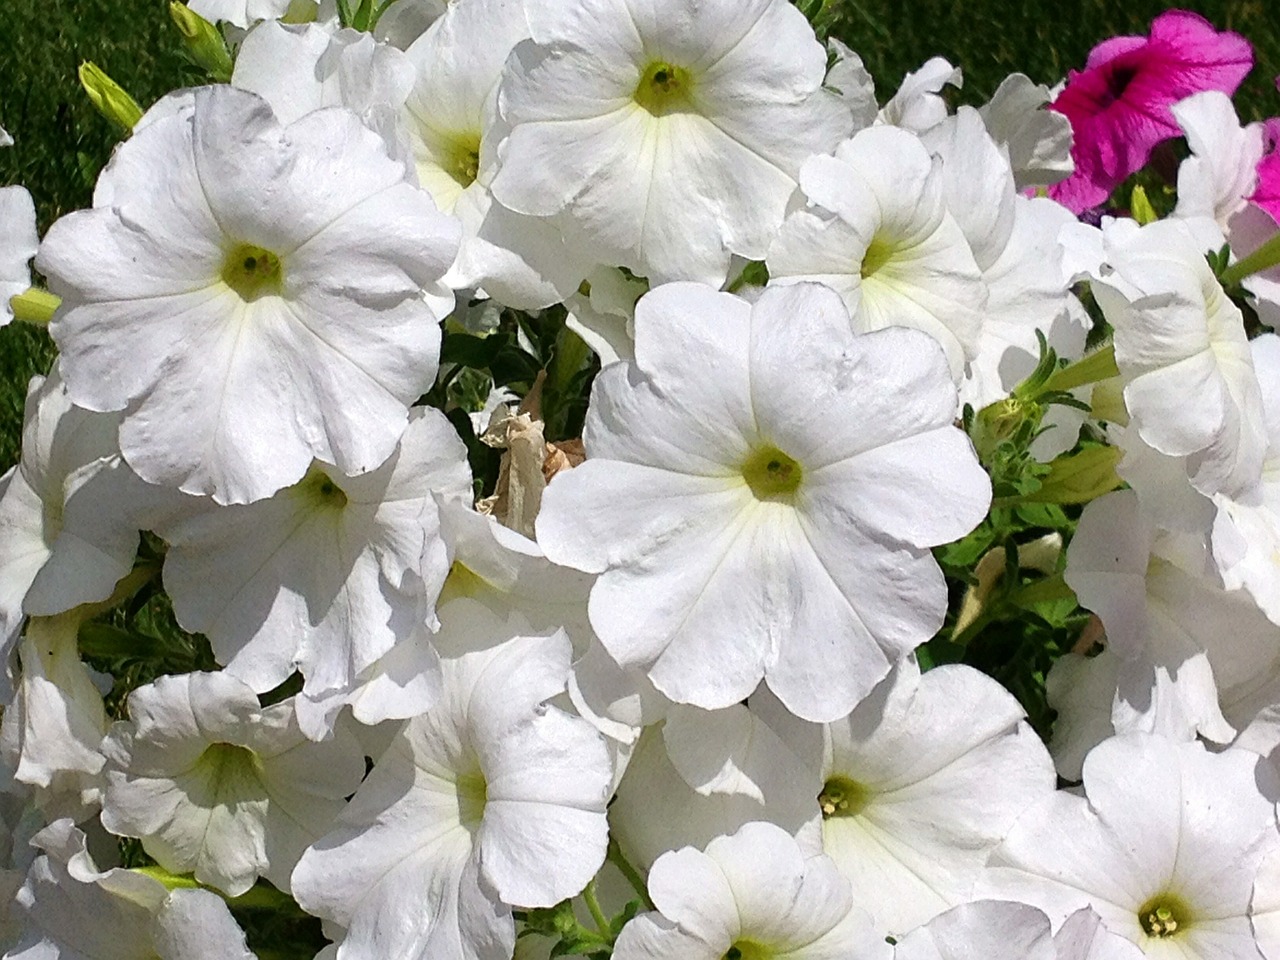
(540, 478)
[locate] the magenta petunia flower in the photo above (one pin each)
(1119, 103)
(1267, 194)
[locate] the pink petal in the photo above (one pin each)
(1119, 104)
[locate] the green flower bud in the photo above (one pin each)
(109, 97)
(205, 44)
(1080, 478)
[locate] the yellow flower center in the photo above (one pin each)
(233, 773)
(473, 796)
(252, 272)
(320, 490)
(771, 474)
(462, 160)
(842, 797)
(1164, 915)
(462, 582)
(878, 254)
(747, 950)
(665, 88)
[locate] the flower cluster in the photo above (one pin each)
(588, 477)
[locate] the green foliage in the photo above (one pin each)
(573, 938)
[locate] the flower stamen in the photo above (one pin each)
(842, 797)
(1163, 916)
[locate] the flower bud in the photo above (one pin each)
(1080, 478)
(205, 44)
(109, 97)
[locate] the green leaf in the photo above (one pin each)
(1042, 515)
(105, 642)
(1140, 207)
(471, 351)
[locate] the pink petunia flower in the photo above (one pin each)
(1119, 103)
(1267, 193)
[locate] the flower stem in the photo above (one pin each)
(1264, 258)
(593, 904)
(265, 897)
(171, 881)
(627, 870)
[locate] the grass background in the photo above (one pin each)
(61, 142)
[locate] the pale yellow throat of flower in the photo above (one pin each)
(252, 272)
(772, 475)
(665, 88)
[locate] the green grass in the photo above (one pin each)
(61, 142)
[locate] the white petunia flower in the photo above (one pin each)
(20, 820)
(751, 895)
(1165, 494)
(328, 575)
(1246, 538)
(1221, 173)
(1014, 241)
(990, 929)
(761, 489)
(1165, 849)
(1185, 649)
(489, 800)
(605, 315)
(849, 77)
(251, 296)
(18, 243)
(1085, 937)
(918, 104)
(407, 20)
(506, 571)
(1004, 930)
(1180, 343)
(451, 119)
(300, 68)
(919, 783)
(69, 513)
(498, 567)
(448, 124)
(669, 135)
(74, 911)
(877, 230)
(1036, 141)
(219, 787)
(1264, 908)
(51, 733)
(240, 12)
(702, 774)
